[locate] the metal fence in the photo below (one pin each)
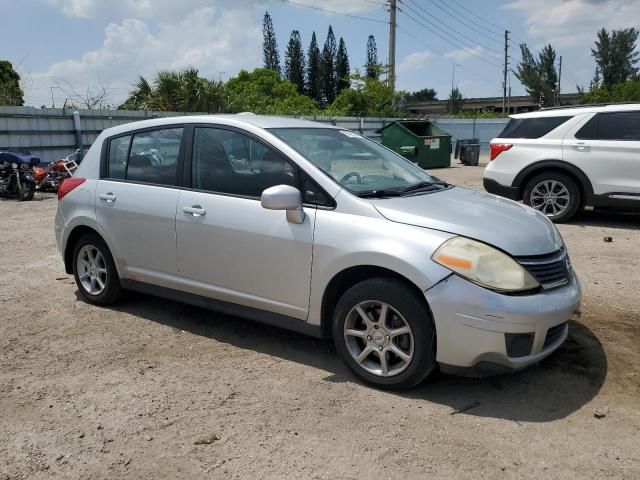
(50, 133)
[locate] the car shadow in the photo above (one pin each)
(607, 218)
(553, 389)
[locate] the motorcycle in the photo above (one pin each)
(51, 177)
(16, 178)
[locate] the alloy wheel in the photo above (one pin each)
(378, 338)
(92, 269)
(550, 197)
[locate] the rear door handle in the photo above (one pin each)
(108, 197)
(195, 210)
(580, 146)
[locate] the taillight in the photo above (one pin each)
(497, 148)
(69, 184)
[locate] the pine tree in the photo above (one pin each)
(342, 67)
(372, 66)
(615, 56)
(270, 45)
(314, 66)
(294, 61)
(329, 68)
(539, 77)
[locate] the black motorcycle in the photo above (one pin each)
(16, 175)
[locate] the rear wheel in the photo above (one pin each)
(554, 194)
(95, 271)
(385, 334)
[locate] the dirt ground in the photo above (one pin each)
(132, 391)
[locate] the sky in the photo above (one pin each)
(61, 46)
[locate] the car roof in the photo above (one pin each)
(238, 120)
(578, 110)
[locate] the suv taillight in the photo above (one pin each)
(497, 148)
(69, 184)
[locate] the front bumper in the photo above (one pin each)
(472, 324)
(496, 188)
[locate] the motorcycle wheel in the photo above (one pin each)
(26, 191)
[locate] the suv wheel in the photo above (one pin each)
(554, 194)
(95, 271)
(385, 334)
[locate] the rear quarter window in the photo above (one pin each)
(531, 127)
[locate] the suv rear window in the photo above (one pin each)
(531, 127)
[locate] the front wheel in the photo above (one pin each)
(385, 334)
(554, 194)
(26, 191)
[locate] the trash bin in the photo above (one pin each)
(460, 142)
(421, 141)
(470, 154)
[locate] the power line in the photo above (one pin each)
(501, 29)
(469, 50)
(415, 37)
(456, 16)
(335, 12)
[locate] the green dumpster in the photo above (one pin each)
(421, 141)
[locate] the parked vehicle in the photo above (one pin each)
(51, 177)
(560, 160)
(16, 177)
(321, 231)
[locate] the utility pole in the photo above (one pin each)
(453, 72)
(559, 80)
(506, 66)
(53, 102)
(393, 7)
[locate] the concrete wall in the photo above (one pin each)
(49, 133)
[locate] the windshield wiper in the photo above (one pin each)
(380, 193)
(424, 186)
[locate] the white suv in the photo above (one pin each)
(560, 160)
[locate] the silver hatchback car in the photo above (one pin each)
(322, 231)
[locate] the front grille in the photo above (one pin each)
(551, 271)
(554, 334)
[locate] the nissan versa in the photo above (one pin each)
(322, 231)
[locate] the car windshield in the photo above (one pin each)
(359, 164)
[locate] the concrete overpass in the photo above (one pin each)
(520, 103)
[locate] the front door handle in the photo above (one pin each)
(108, 197)
(195, 210)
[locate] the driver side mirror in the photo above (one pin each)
(284, 197)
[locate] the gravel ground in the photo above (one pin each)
(156, 389)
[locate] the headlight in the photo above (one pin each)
(14, 165)
(484, 265)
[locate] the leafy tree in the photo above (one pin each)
(455, 102)
(372, 66)
(264, 92)
(367, 97)
(10, 91)
(294, 61)
(424, 95)
(539, 76)
(314, 68)
(181, 91)
(270, 45)
(628, 91)
(342, 67)
(329, 53)
(615, 57)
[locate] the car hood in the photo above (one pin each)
(508, 225)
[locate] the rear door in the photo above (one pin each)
(136, 202)
(229, 247)
(607, 149)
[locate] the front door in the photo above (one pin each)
(229, 247)
(136, 204)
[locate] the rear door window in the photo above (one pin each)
(612, 126)
(153, 157)
(535, 127)
(118, 154)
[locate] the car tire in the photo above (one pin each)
(95, 271)
(26, 191)
(408, 357)
(554, 194)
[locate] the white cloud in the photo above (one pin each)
(469, 53)
(414, 61)
(575, 22)
(135, 47)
